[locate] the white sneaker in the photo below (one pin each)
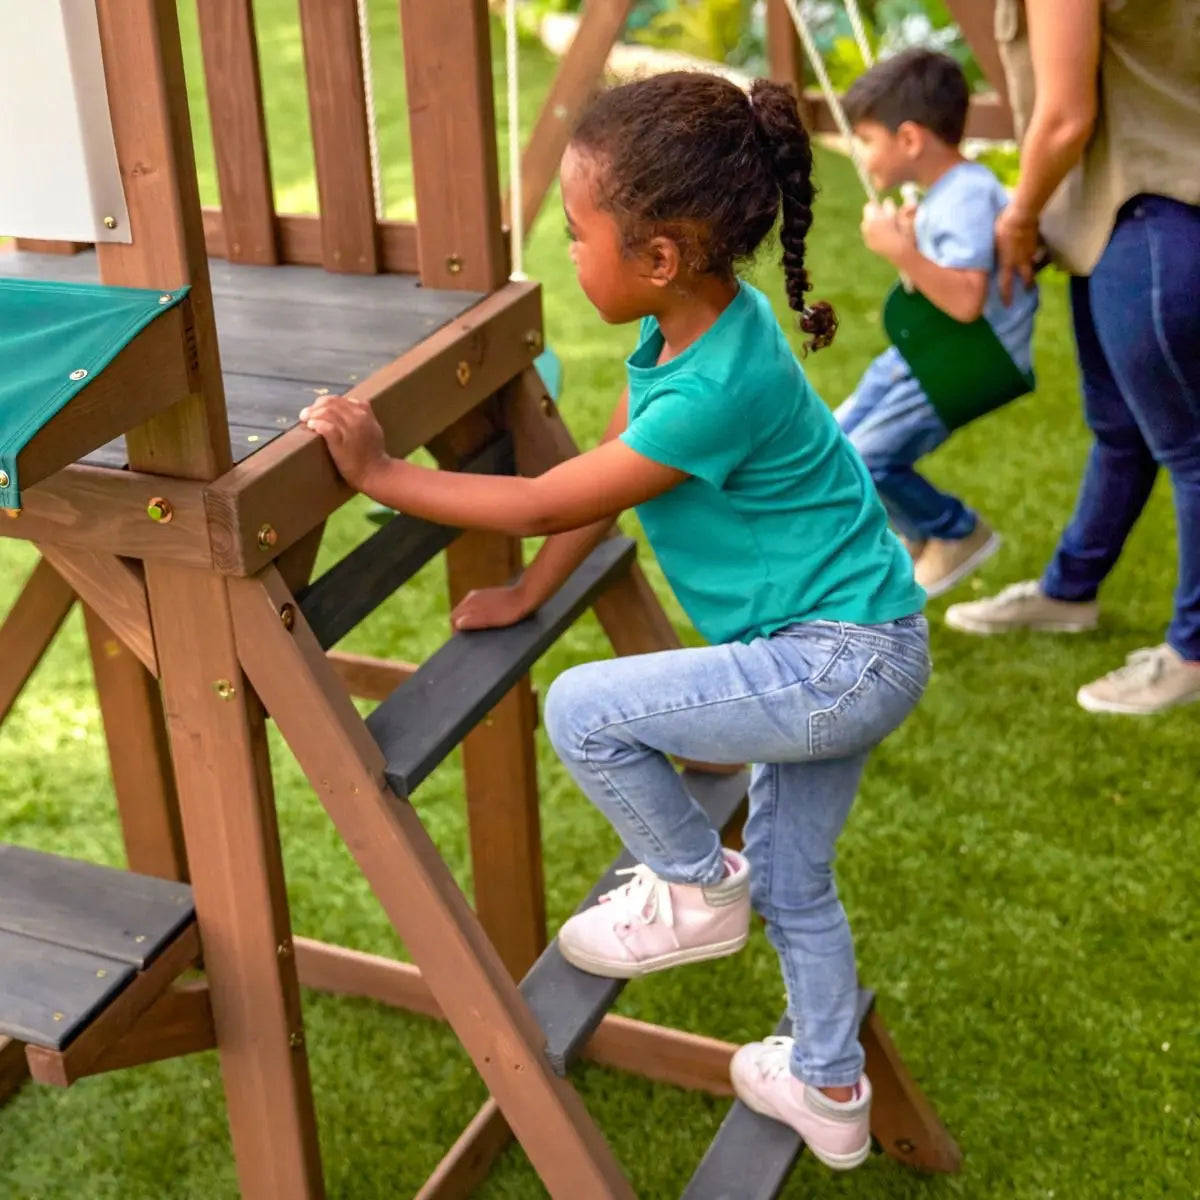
(1151, 681)
(1024, 606)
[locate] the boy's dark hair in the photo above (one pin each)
(685, 155)
(916, 85)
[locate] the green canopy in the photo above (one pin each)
(55, 338)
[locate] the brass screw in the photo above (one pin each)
(454, 264)
(58, 1016)
(533, 339)
(101, 973)
(267, 537)
(110, 222)
(287, 614)
(463, 373)
(224, 689)
(284, 949)
(160, 510)
(141, 937)
(296, 1041)
(547, 406)
(905, 1145)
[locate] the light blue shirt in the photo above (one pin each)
(954, 227)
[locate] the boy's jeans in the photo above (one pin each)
(892, 425)
(1137, 328)
(807, 705)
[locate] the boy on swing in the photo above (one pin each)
(908, 113)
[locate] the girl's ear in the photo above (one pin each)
(662, 255)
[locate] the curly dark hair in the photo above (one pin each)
(686, 155)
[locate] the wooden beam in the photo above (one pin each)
(62, 1067)
(138, 754)
(419, 894)
(785, 55)
(116, 589)
(291, 483)
(452, 120)
(147, 377)
(239, 130)
(902, 1119)
(580, 73)
(29, 628)
(369, 678)
(976, 20)
(105, 511)
(300, 241)
(337, 108)
(14, 1070)
(147, 95)
(987, 117)
(218, 740)
(179, 1022)
(43, 246)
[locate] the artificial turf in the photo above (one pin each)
(1021, 876)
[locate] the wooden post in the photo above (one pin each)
(216, 726)
(139, 755)
(579, 74)
(447, 65)
(337, 106)
(239, 129)
(785, 55)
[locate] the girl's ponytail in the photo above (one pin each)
(788, 152)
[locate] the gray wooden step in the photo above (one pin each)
(752, 1156)
(356, 586)
(434, 709)
(72, 936)
(569, 1003)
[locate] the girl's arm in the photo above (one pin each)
(1064, 42)
(601, 483)
(488, 608)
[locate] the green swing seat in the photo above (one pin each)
(963, 366)
(55, 338)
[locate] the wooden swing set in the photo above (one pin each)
(174, 495)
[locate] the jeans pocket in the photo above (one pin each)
(865, 713)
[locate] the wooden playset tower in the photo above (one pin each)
(152, 454)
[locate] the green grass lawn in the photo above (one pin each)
(1022, 877)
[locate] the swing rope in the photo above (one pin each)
(860, 33)
(516, 215)
(831, 97)
(364, 36)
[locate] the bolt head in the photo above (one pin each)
(463, 373)
(267, 537)
(287, 615)
(454, 264)
(110, 222)
(159, 509)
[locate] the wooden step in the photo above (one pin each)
(570, 1003)
(430, 713)
(356, 586)
(752, 1156)
(73, 937)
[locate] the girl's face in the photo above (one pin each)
(621, 285)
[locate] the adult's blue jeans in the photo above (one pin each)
(1137, 329)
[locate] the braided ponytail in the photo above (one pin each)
(785, 144)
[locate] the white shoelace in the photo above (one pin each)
(1025, 590)
(643, 899)
(1144, 667)
(773, 1058)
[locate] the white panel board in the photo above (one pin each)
(59, 178)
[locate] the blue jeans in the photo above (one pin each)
(807, 706)
(1137, 329)
(892, 425)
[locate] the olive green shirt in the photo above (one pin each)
(1147, 134)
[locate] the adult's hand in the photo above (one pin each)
(1016, 249)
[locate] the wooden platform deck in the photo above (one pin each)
(287, 334)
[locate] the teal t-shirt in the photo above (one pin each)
(779, 522)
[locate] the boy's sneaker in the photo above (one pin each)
(1024, 606)
(944, 563)
(649, 924)
(1151, 681)
(839, 1134)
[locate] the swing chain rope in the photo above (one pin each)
(831, 97)
(860, 33)
(364, 35)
